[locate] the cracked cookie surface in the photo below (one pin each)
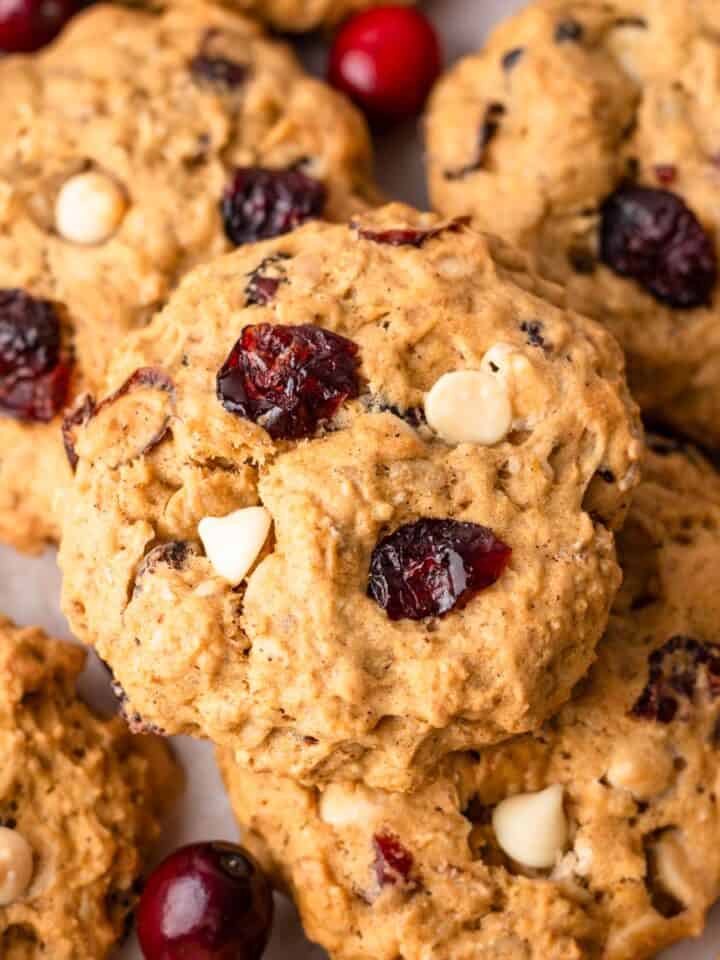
(586, 132)
(80, 795)
(118, 147)
(405, 594)
(380, 875)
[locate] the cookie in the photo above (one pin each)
(594, 837)
(298, 16)
(80, 806)
(585, 132)
(136, 147)
(353, 494)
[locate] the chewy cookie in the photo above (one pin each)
(353, 493)
(132, 149)
(595, 837)
(80, 804)
(587, 132)
(297, 16)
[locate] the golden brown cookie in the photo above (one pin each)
(587, 132)
(80, 806)
(594, 838)
(297, 16)
(352, 493)
(134, 148)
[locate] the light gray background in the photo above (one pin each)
(29, 588)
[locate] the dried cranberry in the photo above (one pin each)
(208, 901)
(259, 204)
(393, 863)
(679, 670)
(288, 379)
(34, 374)
(512, 58)
(218, 71)
(666, 173)
(386, 60)
(408, 236)
(26, 25)
(264, 281)
(489, 128)
(653, 237)
(568, 31)
(132, 718)
(428, 567)
(533, 330)
(75, 417)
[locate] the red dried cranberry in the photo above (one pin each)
(288, 379)
(34, 375)
(678, 671)
(259, 204)
(653, 237)
(488, 130)
(207, 901)
(27, 25)
(407, 236)
(264, 281)
(568, 31)
(393, 863)
(666, 173)
(75, 417)
(386, 60)
(217, 71)
(426, 568)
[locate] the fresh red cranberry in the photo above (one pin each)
(288, 379)
(26, 25)
(34, 374)
(426, 568)
(653, 237)
(386, 60)
(207, 901)
(393, 863)
(679, 671)
(259, 204)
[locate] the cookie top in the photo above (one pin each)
(596, 836)
(80, 804)
(587, 132)
(403, 462)
(132, 149)
(297, 16)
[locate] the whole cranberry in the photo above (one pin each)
(386, 60)
(206, 901)
(26, 25)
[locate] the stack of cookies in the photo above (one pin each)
(361, 493)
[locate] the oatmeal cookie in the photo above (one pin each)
(594, 838)
(298, 16)
(353, 494)
(587, 132)
(134, 148)
(80, 805)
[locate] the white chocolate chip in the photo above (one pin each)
(89, 208)
(531, 827)
(343, 804)
(16, 866)
(232, 543)
(469, 406)
(641, 766)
